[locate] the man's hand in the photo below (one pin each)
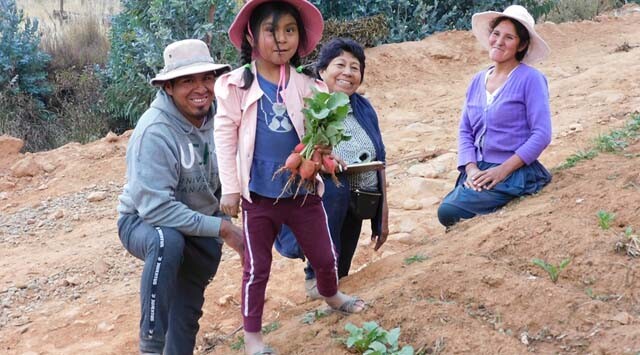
(230, 204)
(233, 237)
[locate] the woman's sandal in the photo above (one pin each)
(351, 305)
(311, 287)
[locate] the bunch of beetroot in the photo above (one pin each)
(324, 127)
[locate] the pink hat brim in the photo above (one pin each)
(311, 20)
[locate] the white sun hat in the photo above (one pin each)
(187, 57)
(481, 22)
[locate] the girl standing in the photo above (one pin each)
(258, 123)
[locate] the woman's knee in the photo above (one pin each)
(449, 214)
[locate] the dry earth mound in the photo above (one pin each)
(68, 287)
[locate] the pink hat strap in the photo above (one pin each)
(250, 33)
(281, 84)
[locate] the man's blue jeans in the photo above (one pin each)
(177, 269)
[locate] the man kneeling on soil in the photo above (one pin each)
(169, 210)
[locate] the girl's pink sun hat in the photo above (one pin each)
(311, 21)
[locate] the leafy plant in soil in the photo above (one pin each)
(418, 258)
(605, 219)
(552, 270)
(372, 339)
(324, 127)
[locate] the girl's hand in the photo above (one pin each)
(230, 204)
(488, 179)
(324, 149)
(472, 170)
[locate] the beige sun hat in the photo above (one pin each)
(481, 27)
(186, 57)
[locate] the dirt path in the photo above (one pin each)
(67, 286)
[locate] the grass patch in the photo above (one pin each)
(615, 141)
(581, 155)
(418, 258)
(78, 43)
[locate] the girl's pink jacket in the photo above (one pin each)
(235, 124)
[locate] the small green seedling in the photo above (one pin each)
(605, 219)
(418, 258)
(311, 317)
(552, 270)
(238, 344)
(372, 339)
(270, 327)
(573, 159)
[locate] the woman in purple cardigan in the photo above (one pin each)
(506, 120)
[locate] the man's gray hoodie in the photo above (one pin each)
(172, 172)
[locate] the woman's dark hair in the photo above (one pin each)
(273, 11)
(335, 48)
(521, 31)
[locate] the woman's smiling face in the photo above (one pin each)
(343, 74)
(504, 42)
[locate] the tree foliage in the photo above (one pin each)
(142, 30)
(22, 64)
(411, 20)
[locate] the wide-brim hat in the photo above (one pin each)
(481, 28)
(187, 57)
(311, 20)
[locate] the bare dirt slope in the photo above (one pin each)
(68, 287)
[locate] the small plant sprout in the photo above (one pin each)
(270, 327)
(372, 339)
(552, 270)
(577, 157)
(418, 258)
(311, 317)
(605, 219)
(238, 344)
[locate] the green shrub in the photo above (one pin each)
(78, 104)
(73, 112)
(22, 64)
(23, 116)
(138, 36)
(411, 20)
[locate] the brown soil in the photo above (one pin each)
(68, 287)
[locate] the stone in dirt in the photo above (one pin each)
(26, 167)
(10, 145)
(97, 196)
